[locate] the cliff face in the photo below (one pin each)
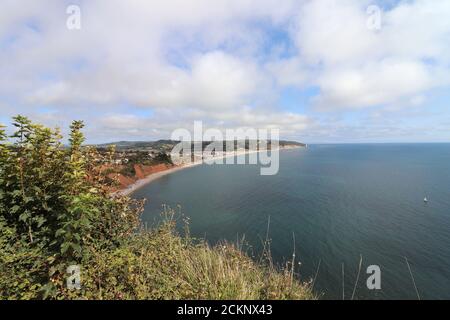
(141, 171)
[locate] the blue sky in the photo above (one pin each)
(326, 71)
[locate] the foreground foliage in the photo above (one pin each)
(55, 211)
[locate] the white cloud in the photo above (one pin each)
(123, 125)
(215, 81)
(198, 60)
(359, 67)
(377, 84)
(334, 32)
(419, 29)
(289, 72)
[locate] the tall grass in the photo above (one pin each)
(161, 264)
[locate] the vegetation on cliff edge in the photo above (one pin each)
(55, 211)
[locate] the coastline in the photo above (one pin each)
(151, 177)
(154, 176)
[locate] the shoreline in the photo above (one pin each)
(154, 176)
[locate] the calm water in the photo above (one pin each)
(340, 202)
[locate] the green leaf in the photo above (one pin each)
(64, 247)
(24, 217)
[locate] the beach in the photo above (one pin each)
(148, 179)
(154, 176)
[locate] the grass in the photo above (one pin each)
(160, 264)
(154, 264)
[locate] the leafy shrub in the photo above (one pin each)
(50, 211)
(128, 170)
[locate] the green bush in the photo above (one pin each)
(128, 170)
(51, 214)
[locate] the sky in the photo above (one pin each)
(322, 71)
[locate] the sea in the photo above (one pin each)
(354, 215)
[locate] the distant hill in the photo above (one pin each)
(166, 145)
(127, 145)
